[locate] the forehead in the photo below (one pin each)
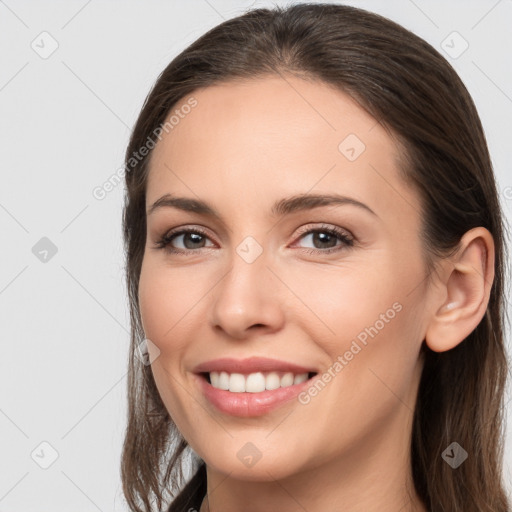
(261, 139)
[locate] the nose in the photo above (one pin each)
(247, 300)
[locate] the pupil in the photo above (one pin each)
(194, 237)
(324, 236)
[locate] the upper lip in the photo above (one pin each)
(250, 365)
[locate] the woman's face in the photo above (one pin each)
(336, 288)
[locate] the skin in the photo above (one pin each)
(246, 145)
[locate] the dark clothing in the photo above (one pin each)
(192, 495)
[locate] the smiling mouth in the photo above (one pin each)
(256, 382)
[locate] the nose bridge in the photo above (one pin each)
(248, 294)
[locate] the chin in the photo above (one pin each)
(250, 465)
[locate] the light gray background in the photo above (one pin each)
(64, 125)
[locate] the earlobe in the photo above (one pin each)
(463, 296)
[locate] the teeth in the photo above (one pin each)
(300, 378)
(254, 382)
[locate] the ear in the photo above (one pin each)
(464, 294)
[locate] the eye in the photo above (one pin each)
(191, 239)
(326, 238)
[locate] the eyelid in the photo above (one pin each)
(181, 230)
(323, 226)
(348, 240)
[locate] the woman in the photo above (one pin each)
(364, 370)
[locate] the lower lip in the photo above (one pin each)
(248, 405)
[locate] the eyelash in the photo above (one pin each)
(347, 241)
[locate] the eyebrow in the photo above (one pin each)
(281, 207)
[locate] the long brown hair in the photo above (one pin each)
(415, 93)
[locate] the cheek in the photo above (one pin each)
(370, 332)
(161, 305)
(364, 318)
(340, 301)
(163, 311)
(167, 301)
